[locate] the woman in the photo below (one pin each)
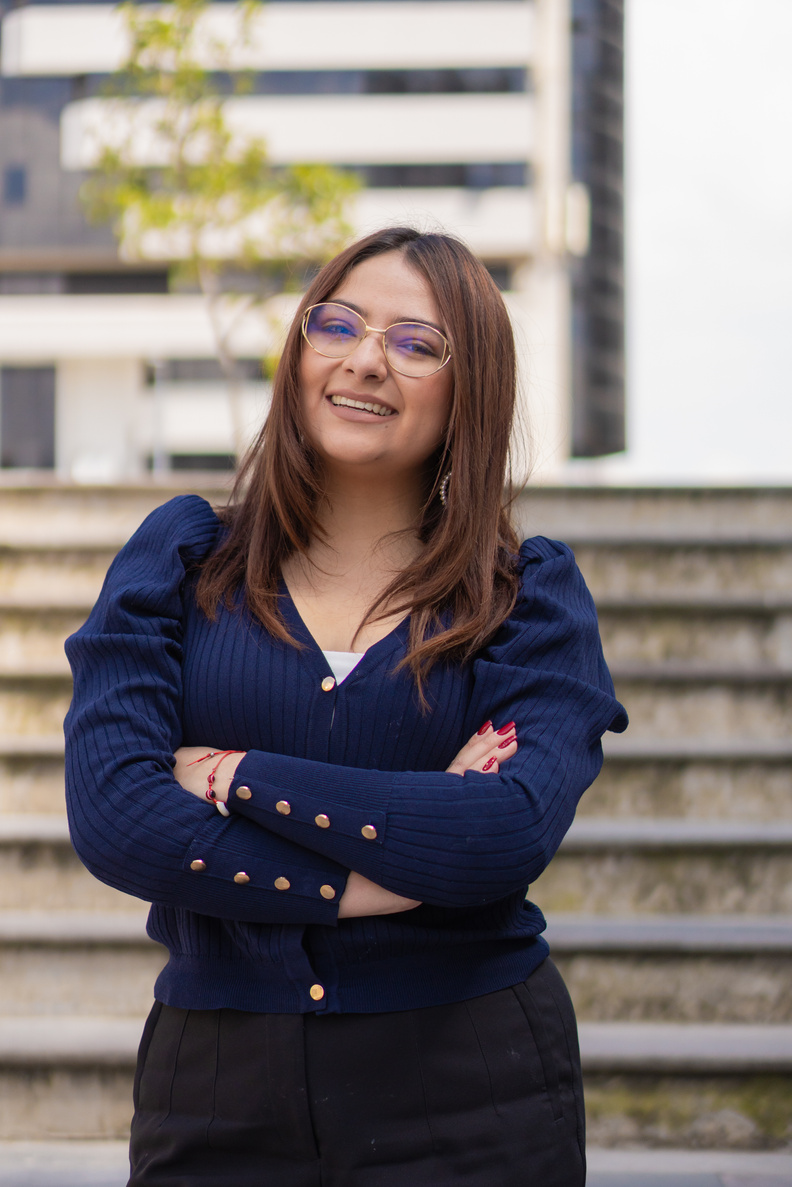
(385, 715)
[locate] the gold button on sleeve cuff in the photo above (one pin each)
(327, 892)
(282, 883)
(244, 793)
(241, 878)
(197, 865)
(369, 832)
(317, 992)
(322, 821)
(284, 807)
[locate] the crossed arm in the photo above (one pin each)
(485, 752)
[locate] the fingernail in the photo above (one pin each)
(488, 764)
(484, 727)
(506, 729)
(508, 742)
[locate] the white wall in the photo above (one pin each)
(343, 129)
(403, 34)
(97, 416)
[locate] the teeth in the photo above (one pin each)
(345, 402)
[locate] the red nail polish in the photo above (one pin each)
(484, 727)
(488, 764)
(508, 742)
(506, 729)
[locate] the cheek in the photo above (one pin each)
(438, 406)
(307, 370)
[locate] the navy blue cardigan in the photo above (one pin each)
(248, 905)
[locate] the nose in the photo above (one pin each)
(368, 357)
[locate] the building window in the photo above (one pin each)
(14, 185)
(116, 282)
(470, 175)
(201, 371)
(27, 417)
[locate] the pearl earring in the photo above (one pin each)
(444, 489)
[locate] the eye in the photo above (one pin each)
(338, 328)
(416, 340)
(332, 321)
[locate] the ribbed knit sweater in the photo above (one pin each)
(336, 777)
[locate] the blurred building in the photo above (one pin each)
(500, 120)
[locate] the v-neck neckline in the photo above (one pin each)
(371, 657)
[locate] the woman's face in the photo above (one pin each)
(383, 290)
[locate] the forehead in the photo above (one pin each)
(386, 289)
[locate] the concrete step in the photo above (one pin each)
(609, 866)
(71, 516)
(67, 1077)
(627, 867)
(31, 782)
(672, 1084)
(713, 637)
(679, 571)
(34, 703)
(72, 1076)
(32, 640)
(648, 836)
(703, 779)
(46, 579)
(32, 746)
(684, 1168)
(623, 513)
(644, 968)
(665, 703)
(106, 1164)
(39, 870)
(46, 511)
(741, 576)
(682, 968)
(63, 1164)
(714, 779)
(77, 962)
(674, 702)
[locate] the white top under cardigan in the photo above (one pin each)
(341, 663)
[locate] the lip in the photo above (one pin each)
(362, 398)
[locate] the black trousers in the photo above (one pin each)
(480, 1093)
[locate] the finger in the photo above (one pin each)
(476, 746)
(499, 752)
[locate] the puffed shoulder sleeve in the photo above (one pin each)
(131, 823)
(455, 841)
(548, 654)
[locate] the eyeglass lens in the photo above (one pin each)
(410, 347)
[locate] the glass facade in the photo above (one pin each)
(598, 381)
(27, 417)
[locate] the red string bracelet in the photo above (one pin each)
(210, 779)
(210, 792)
(203, 758)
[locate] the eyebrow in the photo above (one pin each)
(421, 321)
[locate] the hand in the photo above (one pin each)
(362, 897)
(486, 750)
(193, 765)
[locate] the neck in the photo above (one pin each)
(363, 518)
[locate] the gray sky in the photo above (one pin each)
(709, 225)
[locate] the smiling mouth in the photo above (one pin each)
(364, 406)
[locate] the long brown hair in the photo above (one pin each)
(463, 584)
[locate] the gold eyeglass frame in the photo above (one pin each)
(373, 330)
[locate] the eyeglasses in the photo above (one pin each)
(410, 347)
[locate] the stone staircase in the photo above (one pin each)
(669, 905)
